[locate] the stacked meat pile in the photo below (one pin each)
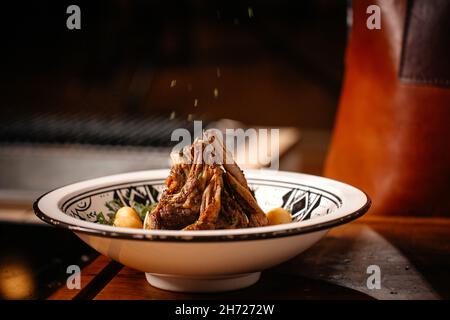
(206, 190)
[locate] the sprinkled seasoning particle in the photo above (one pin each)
(250, 12)
(173, 83)
(195, 102)
(216, 93)
(172, 115)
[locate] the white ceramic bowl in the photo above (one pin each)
(204, 261)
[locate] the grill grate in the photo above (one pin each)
(154, 131)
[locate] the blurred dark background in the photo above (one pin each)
(139, 69)
(272, 62)
(77, 104)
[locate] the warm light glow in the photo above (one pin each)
(16, 281)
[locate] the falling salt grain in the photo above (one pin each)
(173, 83)
(216, 93)
(189, 118)
(218, 72)
(195, 102)
(172, 115)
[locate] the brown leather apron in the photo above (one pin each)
(392, 132)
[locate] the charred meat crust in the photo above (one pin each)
(205, 196)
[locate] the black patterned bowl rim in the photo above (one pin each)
(247, 234)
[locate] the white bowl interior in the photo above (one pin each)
(303, 202)
(312, 200)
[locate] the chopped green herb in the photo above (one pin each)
(114, 205)
(102, 220)
(152, 206)
(142, 210)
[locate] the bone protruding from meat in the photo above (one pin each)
(211, 204)
(216, 140)
(257, 217)
(204, 194)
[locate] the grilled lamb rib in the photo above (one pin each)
(205, 195)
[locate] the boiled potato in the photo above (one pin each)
(278, 216)
(128, 218)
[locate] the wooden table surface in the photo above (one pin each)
(413, 255)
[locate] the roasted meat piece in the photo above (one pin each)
(232, 215)
(204, 194)
(237, 182)
(179, 205)
(211, 203)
